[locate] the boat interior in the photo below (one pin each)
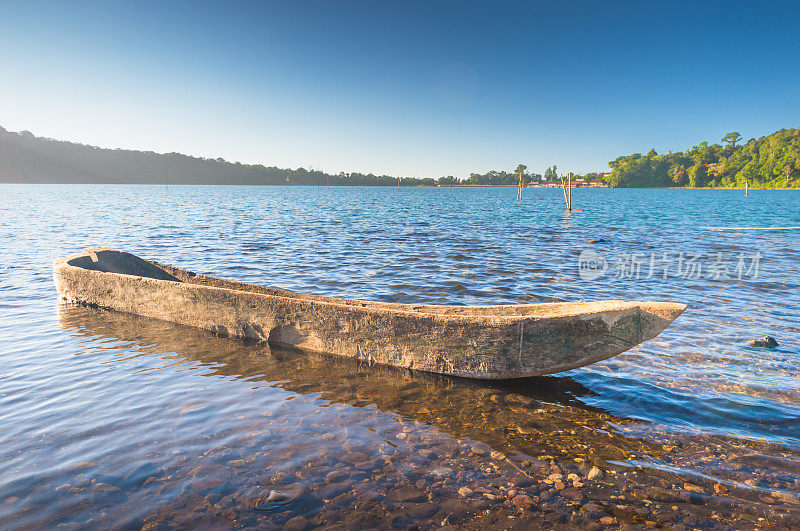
(120, 262)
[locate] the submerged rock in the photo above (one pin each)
(523, 501)
(442, 471)
(764, 342)
(298, 523)
(407, 494)
(276, 498)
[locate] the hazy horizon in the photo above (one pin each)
(412, 89)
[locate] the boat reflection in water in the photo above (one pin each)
(532, 415)
(271, 436)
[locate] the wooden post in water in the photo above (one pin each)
(569, 191)
(745, 188)
(519, 184)
(566, 187)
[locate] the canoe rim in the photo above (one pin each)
(105, 261)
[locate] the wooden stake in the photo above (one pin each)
(566, 187)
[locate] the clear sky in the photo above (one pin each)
(425, 88)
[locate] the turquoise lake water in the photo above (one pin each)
(113, 420)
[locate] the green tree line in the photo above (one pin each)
(499, 178)
(771, 161)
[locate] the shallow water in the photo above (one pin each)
(114, 420)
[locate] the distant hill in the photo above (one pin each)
(25, 158)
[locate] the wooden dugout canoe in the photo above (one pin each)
(496, 342)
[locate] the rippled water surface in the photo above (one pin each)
(110, 420)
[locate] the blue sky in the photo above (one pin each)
(411, 88)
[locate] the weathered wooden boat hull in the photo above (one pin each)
(508, 341)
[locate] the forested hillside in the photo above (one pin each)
(772, 161)
(25, 158)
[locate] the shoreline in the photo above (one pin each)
(401, 186)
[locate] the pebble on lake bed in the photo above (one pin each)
(693, 488)
(523, 501)
(595, 473)
(442, 471)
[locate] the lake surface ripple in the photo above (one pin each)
(110, 420)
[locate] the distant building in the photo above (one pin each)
(576, 183)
